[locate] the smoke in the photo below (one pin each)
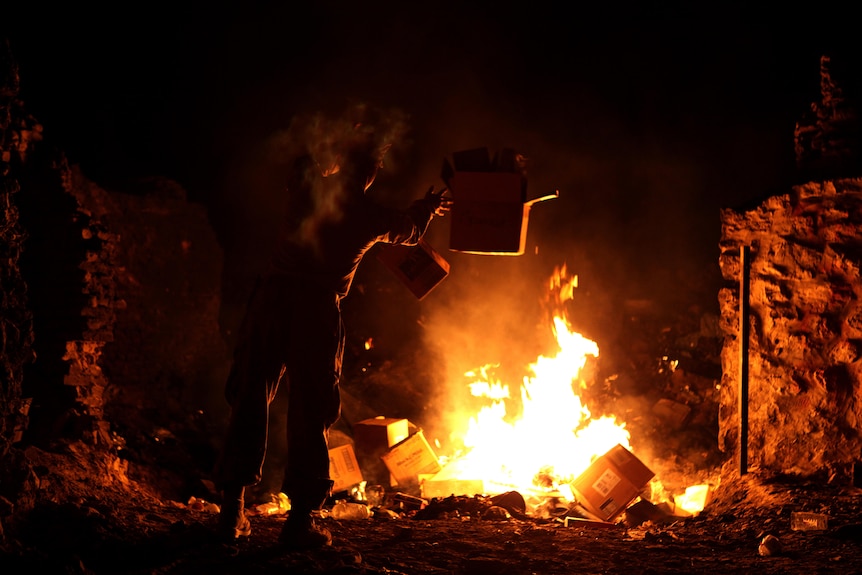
(328, 138)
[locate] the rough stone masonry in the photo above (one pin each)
(805, 404)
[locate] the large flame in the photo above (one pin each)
(553, 438)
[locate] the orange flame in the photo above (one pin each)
(554, 438)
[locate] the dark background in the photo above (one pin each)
(648, 122)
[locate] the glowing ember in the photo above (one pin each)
(553, 439)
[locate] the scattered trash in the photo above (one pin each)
(588, 523)
(511, 501)
(375, 495)
(694, 500)
(349, 510)
(642, 511)
(496, 513)
(770, 546)
(382, 514)
(278, 504)
(407, 502)
(805, 521)
(197, 504)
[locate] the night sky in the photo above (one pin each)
(648, 124)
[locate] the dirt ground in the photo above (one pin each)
(102, 529)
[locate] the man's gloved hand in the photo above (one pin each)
(438, 203)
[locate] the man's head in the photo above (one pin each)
(352, 144)
(361, 157)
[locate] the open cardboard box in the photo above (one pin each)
(372, 438)
(490, 210)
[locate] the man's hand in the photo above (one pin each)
(439, 203)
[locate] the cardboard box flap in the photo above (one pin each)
(474, 160)
(630, 466)
(507, 187)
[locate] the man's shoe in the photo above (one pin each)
(300, 532)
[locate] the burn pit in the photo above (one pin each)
(109, 479)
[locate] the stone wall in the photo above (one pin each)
(111, 355)
(16, 322)
(167, 361)
(805, 356)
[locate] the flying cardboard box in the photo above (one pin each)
(612, 481)
(489, 214)
(490, 208)
(421, 268)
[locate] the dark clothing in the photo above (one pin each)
(293, 335)
(326, 246)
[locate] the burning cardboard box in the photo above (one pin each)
(490, 209)
(611, 483)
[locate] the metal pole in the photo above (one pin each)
(744, 327)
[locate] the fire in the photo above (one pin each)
(541, 446)
(553, 438)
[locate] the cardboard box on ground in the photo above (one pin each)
(372, 438)
(344, 468)
(410, 458)
(395, 453)
(385, 451)
(611, 482)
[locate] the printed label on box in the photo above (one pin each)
(606, 482)
(410, 458)
(343, 468)
(609, 507)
